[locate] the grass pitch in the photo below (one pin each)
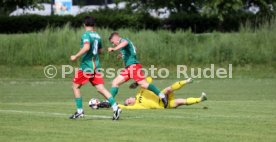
(238, 110)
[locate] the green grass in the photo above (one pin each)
(33, 108)
(54, 46)
(240, 109)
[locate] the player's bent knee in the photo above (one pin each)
(76, 86)
(143, 84)
(115, 84)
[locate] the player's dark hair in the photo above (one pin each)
(89, 21)
(113, 34)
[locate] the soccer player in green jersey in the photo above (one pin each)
(91, 45)
(133, 69)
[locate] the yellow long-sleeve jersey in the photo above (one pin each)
(145, 99)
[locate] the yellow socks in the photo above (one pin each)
(190, 101)
(178, 85)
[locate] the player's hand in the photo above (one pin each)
(73, 58)
(119, 56)
(110, 49)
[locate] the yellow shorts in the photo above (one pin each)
(171, 100)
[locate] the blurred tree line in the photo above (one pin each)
(197, 15)
(219, 8)
(8, 6)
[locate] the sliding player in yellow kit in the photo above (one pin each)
(146, 99)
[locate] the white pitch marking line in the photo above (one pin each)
(49, 113)
(60, 114)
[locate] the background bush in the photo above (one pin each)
(104, 18)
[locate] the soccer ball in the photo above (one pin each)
(93, 103)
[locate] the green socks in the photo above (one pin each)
(151, 87)
(154, 89)
(79, 104)
(113, 103)
(114, 91)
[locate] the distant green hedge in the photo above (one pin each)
(115, 19)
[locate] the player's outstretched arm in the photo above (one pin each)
(100, 47)
(119, 46)
(83, 50)
(100, 51)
